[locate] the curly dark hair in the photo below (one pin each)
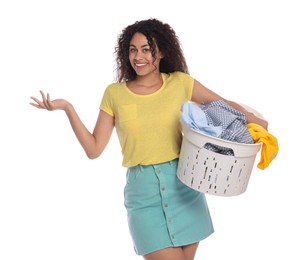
(158, 33)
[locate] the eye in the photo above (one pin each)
(132, 50)
(145, 50)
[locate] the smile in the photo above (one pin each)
(140, 64)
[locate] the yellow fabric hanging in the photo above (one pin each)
(269, 142)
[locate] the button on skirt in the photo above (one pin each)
(163, 212)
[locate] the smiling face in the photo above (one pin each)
(140, 56)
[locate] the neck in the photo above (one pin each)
(145, 85)
(149, 80)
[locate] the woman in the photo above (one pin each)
(167, 220)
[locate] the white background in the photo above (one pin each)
(57, 204)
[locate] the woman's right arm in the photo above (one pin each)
(92, 143)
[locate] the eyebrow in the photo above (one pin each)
(142, 46)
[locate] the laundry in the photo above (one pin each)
(269, 142)
(194, 117)
(217, 119)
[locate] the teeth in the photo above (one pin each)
(138, 65)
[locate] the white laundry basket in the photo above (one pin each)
(211, 172)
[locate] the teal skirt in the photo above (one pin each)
(163, 212)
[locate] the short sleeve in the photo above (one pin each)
(187, 82)
(106, 103)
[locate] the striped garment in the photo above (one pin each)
(232, 121)
(217, 119)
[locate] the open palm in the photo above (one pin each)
(48, 104)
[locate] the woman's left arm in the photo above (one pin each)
(203, 95)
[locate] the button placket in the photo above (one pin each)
(165, 204)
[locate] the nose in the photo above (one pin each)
(138, 55)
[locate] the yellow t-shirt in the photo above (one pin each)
(148, 126)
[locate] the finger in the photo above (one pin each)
(35, 99)
(38, 104)
(44, 99)
(49, 101)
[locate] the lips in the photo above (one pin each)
(139, 64)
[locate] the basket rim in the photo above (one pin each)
(220, 139)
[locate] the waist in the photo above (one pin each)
(172, 163)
